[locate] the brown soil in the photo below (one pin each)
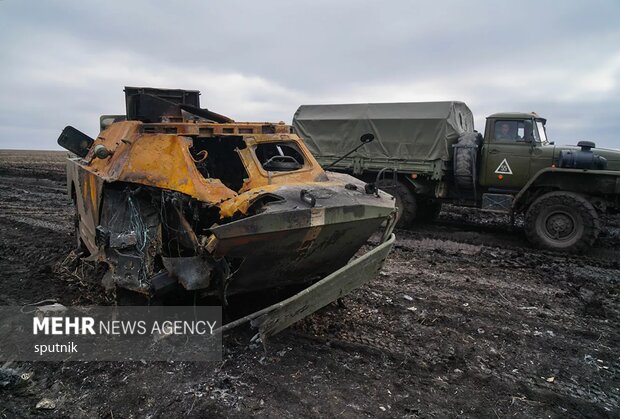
(464, 320)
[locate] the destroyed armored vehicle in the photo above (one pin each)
(173, 195)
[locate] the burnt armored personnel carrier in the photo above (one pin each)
(172, 195)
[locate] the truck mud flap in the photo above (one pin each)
(277, 317)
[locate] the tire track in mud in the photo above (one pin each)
(491, 305)
(501, 236)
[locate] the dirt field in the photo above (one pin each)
(465, 320)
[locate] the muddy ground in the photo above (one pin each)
(465, 320)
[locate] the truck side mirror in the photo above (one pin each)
(367, 138)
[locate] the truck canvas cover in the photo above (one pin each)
(403, 131)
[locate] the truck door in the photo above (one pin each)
(506, 154)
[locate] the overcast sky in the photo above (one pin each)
(66, 62)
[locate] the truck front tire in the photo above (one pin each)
(562, 221)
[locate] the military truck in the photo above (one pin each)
(429, 153)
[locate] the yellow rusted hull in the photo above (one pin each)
(221, 207)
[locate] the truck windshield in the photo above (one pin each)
(542, 135)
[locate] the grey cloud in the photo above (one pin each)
(65, 62)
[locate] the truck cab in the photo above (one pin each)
(515, 148)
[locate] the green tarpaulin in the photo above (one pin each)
(403, 131)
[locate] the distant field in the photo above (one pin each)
(34, 156)
(33, 163)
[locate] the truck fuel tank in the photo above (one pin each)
(582, 159)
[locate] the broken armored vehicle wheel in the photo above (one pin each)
(562, 221)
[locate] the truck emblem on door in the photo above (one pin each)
(504, 168)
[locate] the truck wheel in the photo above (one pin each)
(428, 209)
(562, 221)
(405, 202)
